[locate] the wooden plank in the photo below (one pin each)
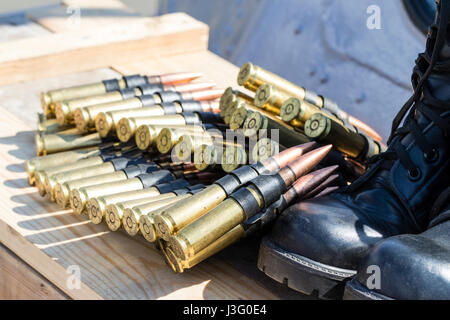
(113, 265)
(81, 14)
(20, 282)
(76, 51)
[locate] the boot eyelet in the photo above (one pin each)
(432, 157)
(415, 174)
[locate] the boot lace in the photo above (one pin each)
(420, 101)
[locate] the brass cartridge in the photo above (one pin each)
(321, 128)
(270, 98)
(126, 127)
(46, 126)
(62, 190)
(85, 117)
(79, 198)
(189, 142)
(41, 176)
(229, 97)
(233, 158)
(223, 242)
(64, 109)
(40, 163)
(241, 205)
(252, 77)
(185, 212)
(146, 135)
(169, 138)
(264, 149)
(53, 143)
(114, 212)
(132, 215)
(49, 98)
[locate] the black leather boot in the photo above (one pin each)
(317, 245)
(407, 267)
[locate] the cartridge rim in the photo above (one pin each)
(180, 247)
(172, 260)
(238, 118)
(129, 221)
(112, 217)
(254, 122)
(263, 95)
(290, 109)
(62, 195)
(46, 100)
(147, 228)
(245, 73)
(165, 142)
(61, 110)
(95, 212)
(81, 118)
(40, 145)
(233, 158)
(40, 182)
(143, 137)
(204, 157)
(77, 201)
(103, 124)
(317, 126)
(164, 226)
(124, 130)
(264, 149)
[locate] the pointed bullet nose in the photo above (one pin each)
(330, 182)
(304, 164)
(195, 86)
(211, 94)
(289, 155)
(181, 77)
(311, 181)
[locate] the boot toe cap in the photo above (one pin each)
(326, 231)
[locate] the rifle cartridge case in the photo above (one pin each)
(64, 110)
(264, 149)
(181, 213)
(252, 77)
(40, 163)
(53, 143)
(62, 190)
(168, 138)
(185, 212)
(189, 142)
(105, 122)
(231, 97)
(114, 213)
(85, 117)
(49, 98)
(223, 242)
(233, 158)
(242, 205)
(238, 117)
(47, 126)
(219, 220)
(101, 203)
(206, 157)
(41, 176)
(322, 128)
(146, 135)
(80, 198)
(126, 127)
(150, 210)
(255, 122)
(270, 98)
(50, 182)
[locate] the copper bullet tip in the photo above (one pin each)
(299, 167)
(312, 180)
(283, 158)
(205, 95)
(328, 183)
(194, 86)
(180, 77)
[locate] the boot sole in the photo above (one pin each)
(356, 291)
(302, 274)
